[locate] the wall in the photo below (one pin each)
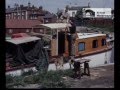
(10, 31)
(70, 12)
(88, 45)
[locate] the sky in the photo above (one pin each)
(53, 5)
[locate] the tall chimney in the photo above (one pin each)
(29, 4)
(89, 4)
(8, 6)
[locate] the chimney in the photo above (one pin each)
(8, 6)
(40, 7)
(21, 6)
(29, 4)
(89, 4)
(33, 6)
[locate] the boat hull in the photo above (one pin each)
(96, 59)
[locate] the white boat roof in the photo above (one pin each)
(55, 25)
(22, 40)
(88, 35)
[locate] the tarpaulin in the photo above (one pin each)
(27, 53)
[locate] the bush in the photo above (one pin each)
(28, 79)
(9, 79)
(68, 72)
(50, 79)
(12, 81)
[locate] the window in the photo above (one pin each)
(22, 13)
(48, 32)
(41, 31)
(81, 46)
(27, 30)
(18, 13)
(95, 44)
(73, 14)
(10, 30)
(103, 41)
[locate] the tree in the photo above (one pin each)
(59, 13)
(79, 15)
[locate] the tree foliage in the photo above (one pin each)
(79, 14)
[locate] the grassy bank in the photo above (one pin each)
(50, 79)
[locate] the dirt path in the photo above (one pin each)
(101, 77)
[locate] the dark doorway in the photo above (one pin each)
(61, 43)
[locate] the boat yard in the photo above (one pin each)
(47, 50)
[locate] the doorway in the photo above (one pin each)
(61, 43)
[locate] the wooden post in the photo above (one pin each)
(66, 43)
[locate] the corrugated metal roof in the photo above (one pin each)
(22, 40)
(88, 35)
(55, 25)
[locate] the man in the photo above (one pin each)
(77, 69)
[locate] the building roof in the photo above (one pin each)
(18, 23)
(48, 15)
(55, 25)
(9, 10)
(21, 7)
(22, 40)
(77, 7)
(88, 35)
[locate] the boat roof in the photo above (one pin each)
(88, 35)
(21, 40)
(55, 25)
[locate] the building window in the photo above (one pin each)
(18, 17)
(81, 46)
(103, 41)
(73, 14)
(18, 13)
(22, 17)
(27, 30)
(95, 44)
(10, 31)
(22, 13)
(48, 32)
(41, 31)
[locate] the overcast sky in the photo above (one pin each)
(52, 5)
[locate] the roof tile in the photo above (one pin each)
(18, 23)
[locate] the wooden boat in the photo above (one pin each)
(91, 46)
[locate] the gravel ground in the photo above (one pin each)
(101, 77)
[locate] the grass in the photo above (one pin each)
(50, 79)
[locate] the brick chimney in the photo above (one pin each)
(8, 6)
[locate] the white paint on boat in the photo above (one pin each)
(20, 71)
(96, 61)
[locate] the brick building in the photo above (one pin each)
(21, 19)
(21, 26)
(29, 13)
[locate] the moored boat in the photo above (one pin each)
(63, 42)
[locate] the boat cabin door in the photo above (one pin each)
(61, 43)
